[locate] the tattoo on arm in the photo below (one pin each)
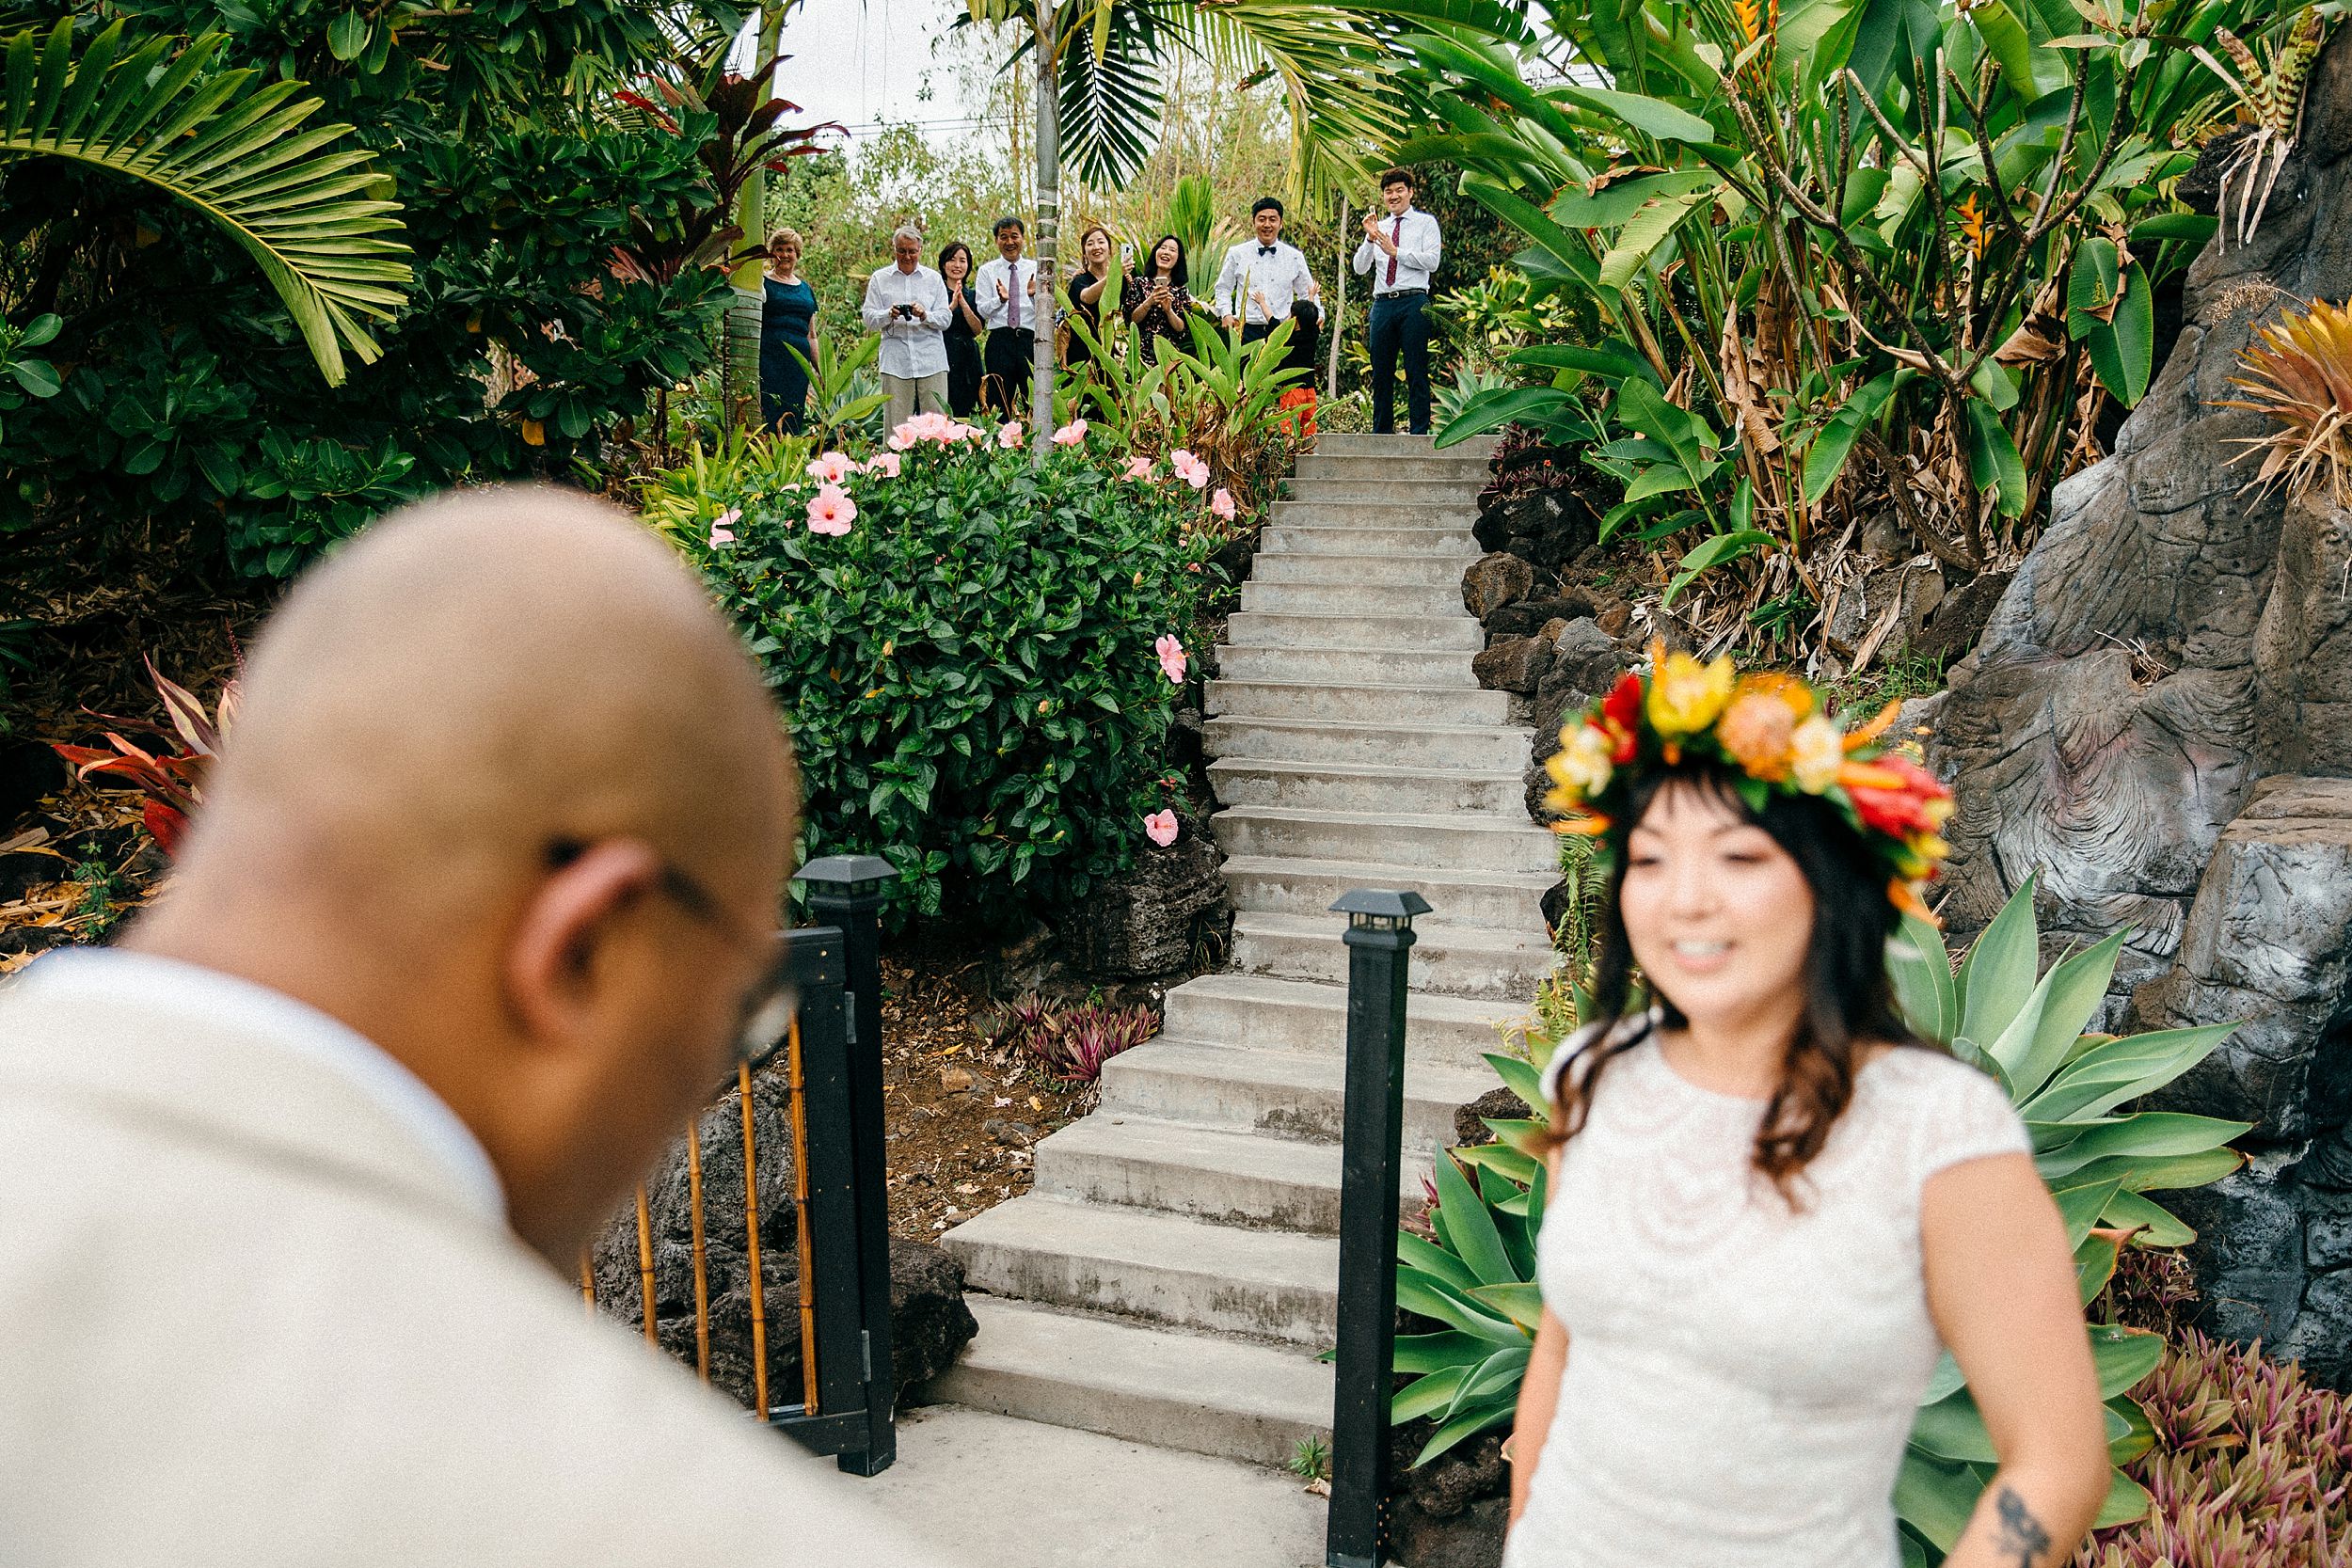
(2023, 1536)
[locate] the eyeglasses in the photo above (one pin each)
(765, 1019)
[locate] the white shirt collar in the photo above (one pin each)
(169, 983)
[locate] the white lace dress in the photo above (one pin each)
(1740, 1380)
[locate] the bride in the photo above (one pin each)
(1771, 1207)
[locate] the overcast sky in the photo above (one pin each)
(861, 61)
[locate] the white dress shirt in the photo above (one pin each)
(912, 347)
(1250, 272)
(242, 1007)
(1016, 276)
(1418, 247)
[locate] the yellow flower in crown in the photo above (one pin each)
(1816, 751)
(1685, 696)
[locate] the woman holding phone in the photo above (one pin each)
(1156, 299)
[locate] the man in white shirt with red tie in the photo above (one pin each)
(1400, 253)
(1008, 290)
(1262, 276)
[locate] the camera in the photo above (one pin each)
(907, 311)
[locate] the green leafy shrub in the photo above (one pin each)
(1477, 1275)
(971, 670)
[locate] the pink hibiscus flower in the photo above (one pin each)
(1189, 468)
(832, 468)
(723, 526)
(1172, 658)
(1222, 503)
(883, 463)
(1160, 828)
(832, 511)
(1010, 436)
(1071, 434)
(903, 438)
(1138, 467)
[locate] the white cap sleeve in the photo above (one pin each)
(1966, 1115)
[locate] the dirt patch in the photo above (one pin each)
(961, 1117)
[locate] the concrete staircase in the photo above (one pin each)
(1173, 1273)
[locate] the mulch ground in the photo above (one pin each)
(962, 1114)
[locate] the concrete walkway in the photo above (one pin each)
(1014, 1494)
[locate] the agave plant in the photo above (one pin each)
(2099, 1161)
(235, 152)
(2299, 374)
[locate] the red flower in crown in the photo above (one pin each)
(1894, 795)
(1620, 711)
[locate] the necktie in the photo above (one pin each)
(1396, 236)
(1013, 295)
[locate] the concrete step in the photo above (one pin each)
(1472, 748)
(1200, 1393)
(1261, 1013)
(1157, 1268)
(1394, 705)
(1456, 840)
(1354, 598)
(1334, 444)
(1453, 494)
(1433, 570)
(1286, 1094)
(1259, 630)
(1450, 465)
(1510, 899)
(1204, 1173)
(1479, 962)
(1365, 786)
(1373, 666)
(1452, 545)
(1374, 517)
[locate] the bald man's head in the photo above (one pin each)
(472, 752)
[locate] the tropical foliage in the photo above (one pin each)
(978, 659)
(1475, 1274)
(1221, 403)
(211, 227)
(1843, 254)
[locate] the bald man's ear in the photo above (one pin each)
(549, 964)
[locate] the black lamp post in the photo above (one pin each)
(847, 891)
(1379, 940)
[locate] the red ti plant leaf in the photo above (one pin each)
(165, 825)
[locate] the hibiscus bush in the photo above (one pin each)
(979, 658)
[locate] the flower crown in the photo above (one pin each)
(1770, 730)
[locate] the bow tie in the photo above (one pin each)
(1265, 251)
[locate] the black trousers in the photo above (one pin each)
(1011, 360)
(1398, 322)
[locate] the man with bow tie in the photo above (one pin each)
(1400, 252)
(1262, 277)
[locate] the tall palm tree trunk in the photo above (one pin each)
(1048, 227)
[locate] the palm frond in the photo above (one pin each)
(1111, 106)
(241, 157)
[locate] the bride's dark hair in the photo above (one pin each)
(1850, 1001)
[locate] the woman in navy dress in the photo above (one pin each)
(788, 312)
(964, 331)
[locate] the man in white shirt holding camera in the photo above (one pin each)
(907, 303)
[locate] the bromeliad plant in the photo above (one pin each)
(1476, 1274)
(169, 771)
(1840, 252)
(2298, 373)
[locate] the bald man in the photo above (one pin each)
(477, 912)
